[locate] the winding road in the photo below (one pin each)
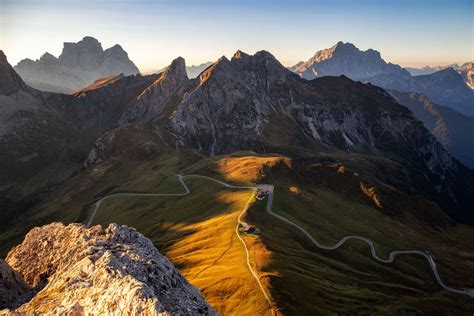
(269, 190)
(186, 192)
(369, 242)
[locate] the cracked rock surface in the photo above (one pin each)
(75, 270)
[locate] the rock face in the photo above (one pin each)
(79, 65)
(75, 270)
(154, 100)
(446, 86)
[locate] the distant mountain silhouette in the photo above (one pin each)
(79, 65)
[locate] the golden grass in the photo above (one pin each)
(247, 168)
(213, 259)
(197, 233)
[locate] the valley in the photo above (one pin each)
(197, 231)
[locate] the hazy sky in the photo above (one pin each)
(407, 32)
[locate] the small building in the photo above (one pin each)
(251, 230)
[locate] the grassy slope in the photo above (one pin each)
(197, 233)
(348, 280)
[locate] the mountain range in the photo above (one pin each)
(79, 65)
(427, 70)
(438, 83)
(465, 70)
(246, 103)
(445, 87)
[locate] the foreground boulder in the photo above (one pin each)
(75, 270)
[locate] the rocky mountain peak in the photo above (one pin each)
(10, 82)
(79, 65)
(160, 95)
(177, 70)
(86, 54)
(239, 55)
(215, 70)
(48, 58)
(262, 65)
(76, 270)
(347, 59)
(117, 52)
(265, 55)
(340, 46)
(87, 44)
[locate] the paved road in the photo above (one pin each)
(369, 242)
(269, 190)
(254, 273)
(186, 192)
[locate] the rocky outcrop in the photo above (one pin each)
(75, 270)
(445, 87)
(79, 65)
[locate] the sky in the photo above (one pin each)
(411, 33)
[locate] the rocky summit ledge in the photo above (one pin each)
(75, 270)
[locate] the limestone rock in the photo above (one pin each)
(99, 271)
